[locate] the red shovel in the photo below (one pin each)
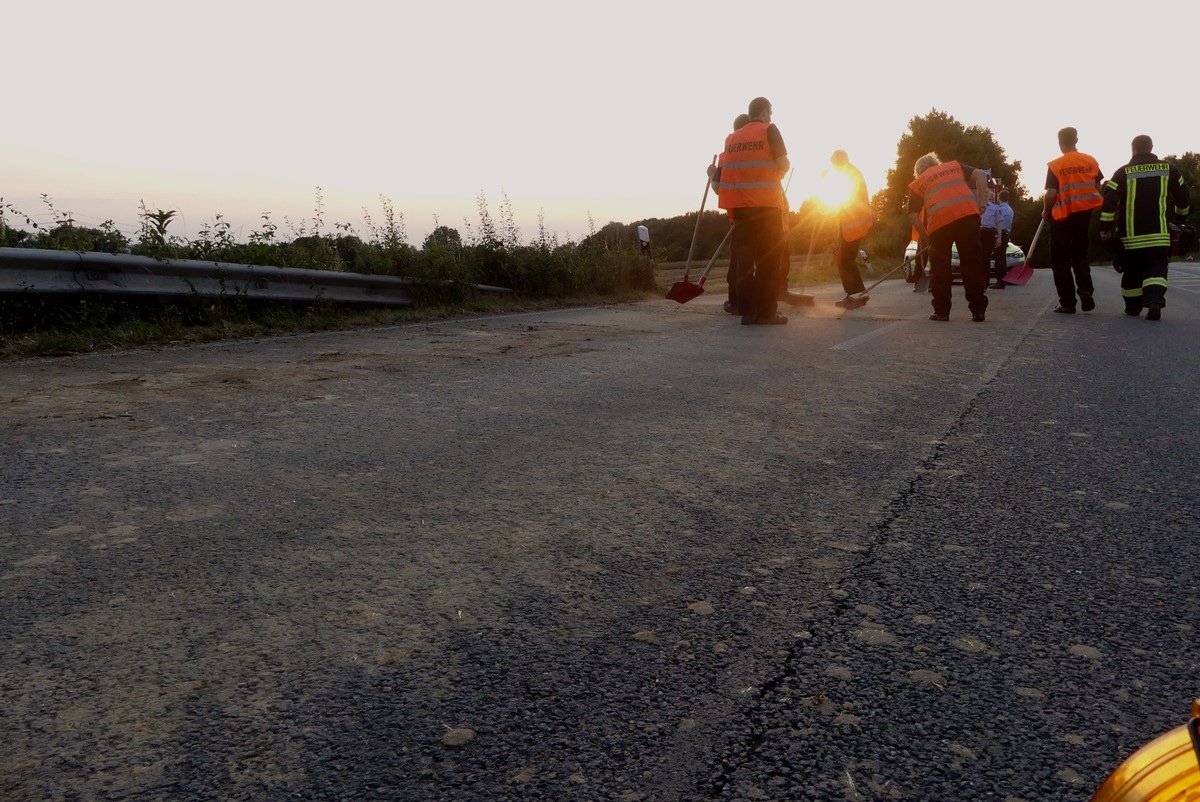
(684, 291)
(1019, 274)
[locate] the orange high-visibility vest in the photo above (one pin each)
(946, 196)
(749, 176)
(855, 217)
(1076, 173)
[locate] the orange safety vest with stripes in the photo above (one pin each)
(749, 175)
(945, 194)
(1076, 173)
(855, 217)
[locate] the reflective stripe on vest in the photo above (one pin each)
(855, 217)
(1076, 173)
(946, 196)
(749, 175)
(856, 221)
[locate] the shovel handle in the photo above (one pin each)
(891, 272)
(1033, 242)
(699, 217)
(713, 260)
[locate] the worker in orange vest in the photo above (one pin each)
(854, 221)
(952, 210)
(731, 275)
(750, 187)
(1073, 183)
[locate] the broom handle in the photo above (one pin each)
(888, 274)
(699, 217)
(713, 260)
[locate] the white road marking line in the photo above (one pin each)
(848, 344)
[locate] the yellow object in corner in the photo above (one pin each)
(1165, 770)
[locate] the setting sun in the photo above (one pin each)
(833, 190)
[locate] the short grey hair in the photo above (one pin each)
(924, 163)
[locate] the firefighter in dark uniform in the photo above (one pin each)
(751, 169)
(1135, 212)
(945, 211)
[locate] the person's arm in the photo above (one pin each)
(714, 172)
(1181, 195)
(914, 215)
(1051, 194)
(979, 178)
(1112, 201)
(919, 225)
(778, 150)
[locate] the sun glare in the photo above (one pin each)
(833, 190)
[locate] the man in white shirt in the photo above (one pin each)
(1004, 223)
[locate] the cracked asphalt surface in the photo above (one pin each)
(625, 553)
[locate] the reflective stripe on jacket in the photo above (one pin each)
(855, 217)
(749, 175)
(1136, 203)
(1076, 173)
(946, 196)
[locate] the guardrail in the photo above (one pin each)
(27, 270)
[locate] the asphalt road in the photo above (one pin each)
(625, 553)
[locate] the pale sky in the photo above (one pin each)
(610, 109)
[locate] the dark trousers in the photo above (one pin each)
(731, 278)
(1144, 280)
(758, 244)
(1000, 256)
(847, 265)
(963, 233)
(987, 244)
(1069, 257)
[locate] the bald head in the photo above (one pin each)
(1142, 144)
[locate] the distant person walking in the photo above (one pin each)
(994, 230)
(1072, 192)
(854, 222)
(752, 168)
(1134, 212)
(952, 209)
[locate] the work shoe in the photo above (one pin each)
(977, 317)
(1153, 312)
(773, 320)
(997, 285)
(731, 309)
(749, 320)
(936, 316)
(1066, 310)
(1086, 303)
(1133, 312)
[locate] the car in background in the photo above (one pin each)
(1013, 256)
